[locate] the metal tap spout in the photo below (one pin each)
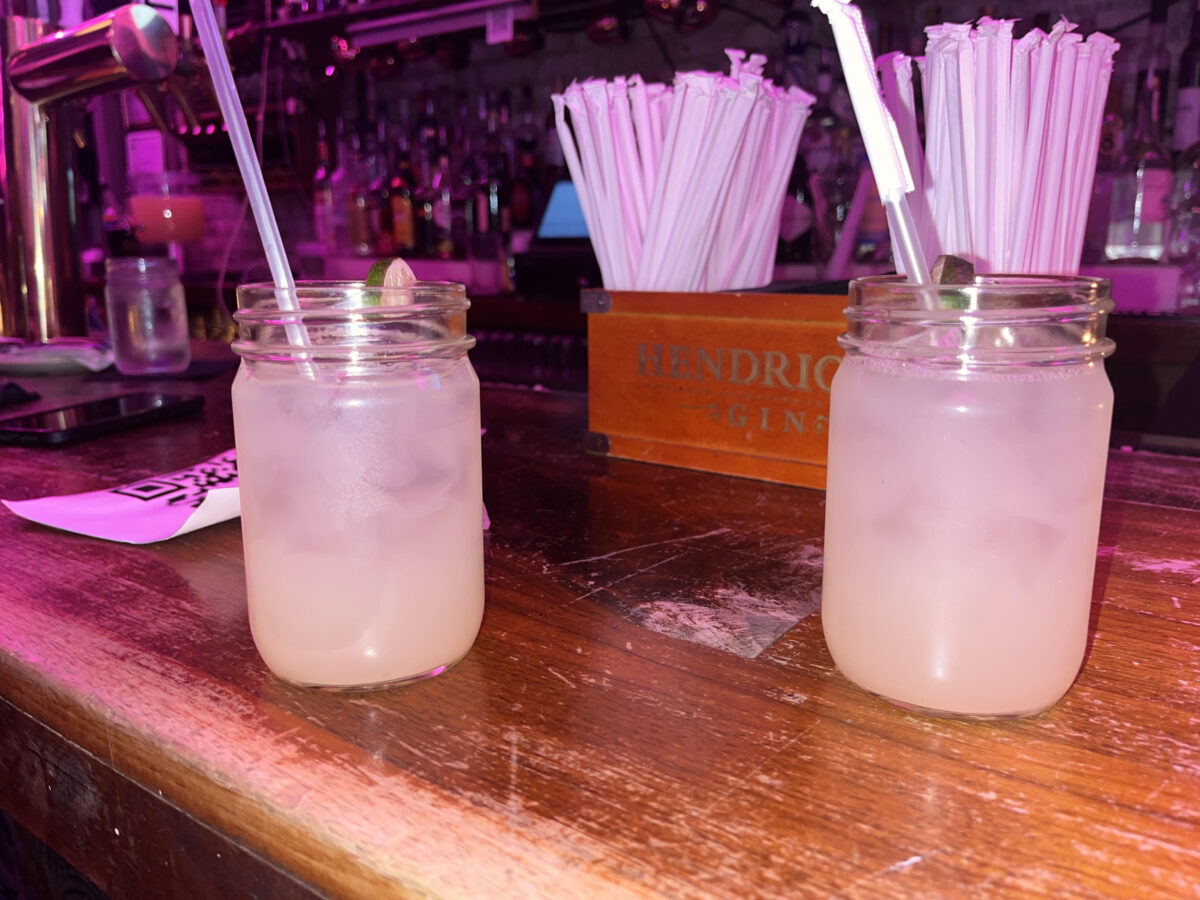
(40, 290)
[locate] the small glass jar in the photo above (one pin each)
(147, 316)
(356, 419)
(967, 449)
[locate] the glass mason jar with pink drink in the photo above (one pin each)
(968, 439)
(357, 428)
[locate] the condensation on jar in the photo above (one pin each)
(967, 452)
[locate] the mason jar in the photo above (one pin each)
(147, 316)
(968, 441)
(356, 419)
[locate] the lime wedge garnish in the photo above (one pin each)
(390, 273)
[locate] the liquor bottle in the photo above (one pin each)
(424, 157)
(427, 123)
(462, 202)
(1141, 186)
(381, 187)
(525, 194)
(504, 131)
(872, 243)
(553, 165)
(361, 211)
(1187, 100)
(400, 198)
(832, 192)
(796, 218)
(1155, 62)
(494, 191)
(438, 208)
(339, 188)
(323, 218)
(796, 27)
(1112, 126)
(816, 141)
(1183, 241)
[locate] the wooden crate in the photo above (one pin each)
(736, 383)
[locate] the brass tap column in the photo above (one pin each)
(44, 70)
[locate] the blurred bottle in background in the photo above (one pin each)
(796, 218)
(1183, 241)
(1141, 185)
(1187, 98)
(1112, 128)
(339, 186)
(323, 218)
(1155, 62)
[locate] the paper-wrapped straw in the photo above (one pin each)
(695, 97)
(879, 134)
(1023, 122)
(682, 186)
(962, 98)
(1083, 83)
(1018, 132)
(583, 188)
(896, 82)
(1098, 77)
(993, 48)
(737, 209)
(1062, 85)
(639, 112)
(788, 113)
(697, 222)
(617, 191)
(1042, 63)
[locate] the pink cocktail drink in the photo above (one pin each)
(362, 498)
(966, 471)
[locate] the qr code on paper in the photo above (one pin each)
(187, 487)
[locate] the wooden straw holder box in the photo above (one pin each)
(736, 383)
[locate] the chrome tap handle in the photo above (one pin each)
(125, 47)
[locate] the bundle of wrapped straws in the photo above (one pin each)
(1012, 129)
(681, 186)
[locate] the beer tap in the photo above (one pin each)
(46, 72)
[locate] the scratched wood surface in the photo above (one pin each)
(623, 726)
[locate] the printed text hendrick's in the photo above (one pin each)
(765, 368)
(745, 378)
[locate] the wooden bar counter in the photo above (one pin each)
(649, 711)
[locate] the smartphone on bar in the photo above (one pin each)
(95, 417)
